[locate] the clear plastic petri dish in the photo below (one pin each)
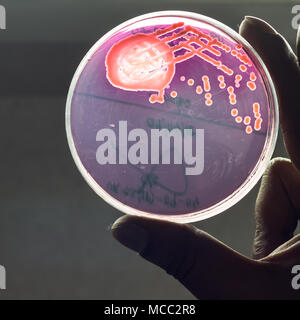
(172, 115)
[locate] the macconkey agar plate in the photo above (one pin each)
(172, 115)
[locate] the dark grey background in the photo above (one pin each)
(54, 230)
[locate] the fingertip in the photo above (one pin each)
(137, 233)
(252, 24)
(269, 44)
(120, 221)
(276, 165)
(298, 43)
(130, 233)
(191, 256)
(283, 67)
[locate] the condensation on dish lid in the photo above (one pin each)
(191, 80)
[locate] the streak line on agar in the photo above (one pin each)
(151, 66)
(156, 73)
(166, 112)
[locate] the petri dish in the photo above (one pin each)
(172, 115)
